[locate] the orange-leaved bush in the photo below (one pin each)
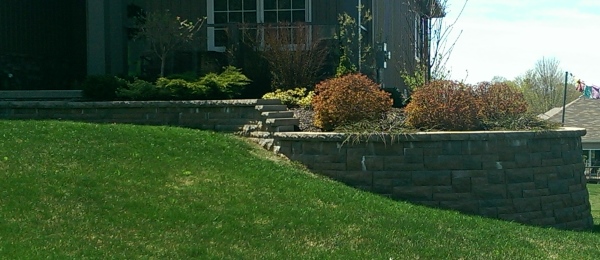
(443, 105)
(347, 99)
(499, 100)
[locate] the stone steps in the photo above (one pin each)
(282, 121)
(278, 114)
(271, 108)
(275, 118)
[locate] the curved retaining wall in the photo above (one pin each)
(219, 115)
(529, 177)
(533, 178)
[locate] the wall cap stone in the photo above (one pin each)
(135, 104)
(433, 136)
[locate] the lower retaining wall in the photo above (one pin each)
(533, 178)
(219, 115)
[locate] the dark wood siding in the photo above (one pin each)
(41, 27)
(187, 9)
(43, 37)
(394, 24)
(325, 12)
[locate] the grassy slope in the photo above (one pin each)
(84, 190)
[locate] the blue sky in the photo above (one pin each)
(506, 37)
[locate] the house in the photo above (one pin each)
(73, 38)
(582, 113)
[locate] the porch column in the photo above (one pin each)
(115, 37)
(96, 40)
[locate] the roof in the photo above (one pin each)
(584, 113)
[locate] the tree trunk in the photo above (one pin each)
(163, 60)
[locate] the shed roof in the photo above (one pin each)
(584, 113)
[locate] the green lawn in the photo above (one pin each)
(73, 190)
(594, 190)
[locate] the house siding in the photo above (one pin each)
(186, 9)
(45, 37)
(57, 28)
(395, 27)
(392, 23)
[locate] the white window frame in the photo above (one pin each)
(260, 15)
(418, 37)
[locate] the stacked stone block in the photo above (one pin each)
(254, 118)
(217, 115)
(528, 177)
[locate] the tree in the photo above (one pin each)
(543, 86)
(295, 54)
(354, 54)
(165, 33)
(440, 44)
(434, 46)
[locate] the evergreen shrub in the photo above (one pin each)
(297, 97)
(140, 90)
(101, 87)
(225, 85)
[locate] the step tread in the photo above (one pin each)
(282, 121)
(283, 128)
(268, 102)
(278, 114)
(270, 108)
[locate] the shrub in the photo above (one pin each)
(102, 87)
(188, 76)
(347, 99)
(181, 89)
(296, 56)
(499, 101)
(140, 90)
(306, 102)
(212, 86)
(298, 97)
(226, 85)
(443, 105)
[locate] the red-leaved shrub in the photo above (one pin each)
(499, 100)
(443, 105)
(346, 99)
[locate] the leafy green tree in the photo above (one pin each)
(165, 32)
(354, 54)
(543, 86)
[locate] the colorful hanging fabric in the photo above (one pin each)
(580, 86)
(587, 91)
(595, 92)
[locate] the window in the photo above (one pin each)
(591, 159)
(222, 13)
(419, 36)
(287, 11)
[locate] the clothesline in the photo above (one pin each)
(589, 91)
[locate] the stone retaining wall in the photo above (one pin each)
(219, 115)
(533, 178)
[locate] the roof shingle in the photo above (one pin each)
(584, 113)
